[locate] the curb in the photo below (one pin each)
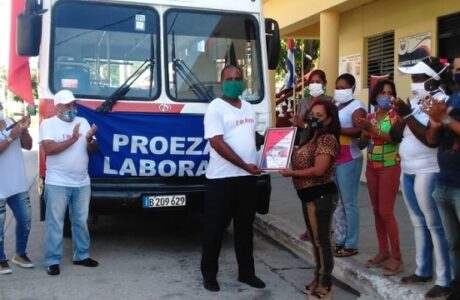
(347, 270)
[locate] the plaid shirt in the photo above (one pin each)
(381, 154)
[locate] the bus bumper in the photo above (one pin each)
(110, 196)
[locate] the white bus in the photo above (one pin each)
(144, 72)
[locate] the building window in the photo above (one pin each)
(449, 36)
(380, 55)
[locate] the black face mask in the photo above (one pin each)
(314, 122)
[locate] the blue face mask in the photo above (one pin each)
(456, 78)
(384, 102)
(68, 115)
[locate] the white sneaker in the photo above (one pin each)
(5, 268)
(22, 261)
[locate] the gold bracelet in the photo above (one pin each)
(380, 131)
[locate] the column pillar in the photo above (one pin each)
(329, 47)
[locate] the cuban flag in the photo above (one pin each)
(290, 62)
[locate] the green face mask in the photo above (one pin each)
(232, 89)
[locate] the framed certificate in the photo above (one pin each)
(277, 150)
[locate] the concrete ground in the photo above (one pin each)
(284, 223)
(150, 257)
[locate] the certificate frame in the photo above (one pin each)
(278, 146)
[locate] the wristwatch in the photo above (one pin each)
(446, 120)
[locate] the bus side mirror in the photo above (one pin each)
(29, 29)
(272, 35)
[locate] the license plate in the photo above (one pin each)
(164, 201)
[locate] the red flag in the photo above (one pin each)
(19, 79)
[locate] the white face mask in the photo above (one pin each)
(2, 114)
(343, 96)
(418, 89)
(316, 89)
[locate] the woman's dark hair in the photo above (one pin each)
(319, 73)
(378, 88)
(350, 79)
(333, 112)
(443, 72)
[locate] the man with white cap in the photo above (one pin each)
(66, 140)
(14, 188)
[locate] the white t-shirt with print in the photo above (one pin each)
(69, 167)
(237, 126)
(13, 178)
(415, 156)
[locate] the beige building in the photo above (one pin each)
(371, 37)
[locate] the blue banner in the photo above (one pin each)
(147, 144)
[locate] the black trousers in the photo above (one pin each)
(319, 212)
(228, 198)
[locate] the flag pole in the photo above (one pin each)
(294, 100)
(302, 62)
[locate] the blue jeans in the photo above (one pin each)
(57, 198)
(348, 177)
(20, 206)
(428, 230)
(448, 201)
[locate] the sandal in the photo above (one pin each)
(338, 249)
(378, 260)
(392, 267)
(318, 293)
(346, 252)
(311, 286)
(414, 278)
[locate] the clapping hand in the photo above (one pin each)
(15, 131)
(76, 131)
(91, 132)
(435, 109)
(25, 122)
(363, 123)
(402, 108)
(297, 121)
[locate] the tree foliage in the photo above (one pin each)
(34, 77)
(308, 48)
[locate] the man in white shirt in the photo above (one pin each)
(229, 125)
(14, 188)
(66, 140)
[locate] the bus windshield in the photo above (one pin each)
(97, 46)
(200, 44)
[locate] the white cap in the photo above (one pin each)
(420, 68)
(63, 97)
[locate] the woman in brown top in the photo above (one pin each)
(313, 172)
